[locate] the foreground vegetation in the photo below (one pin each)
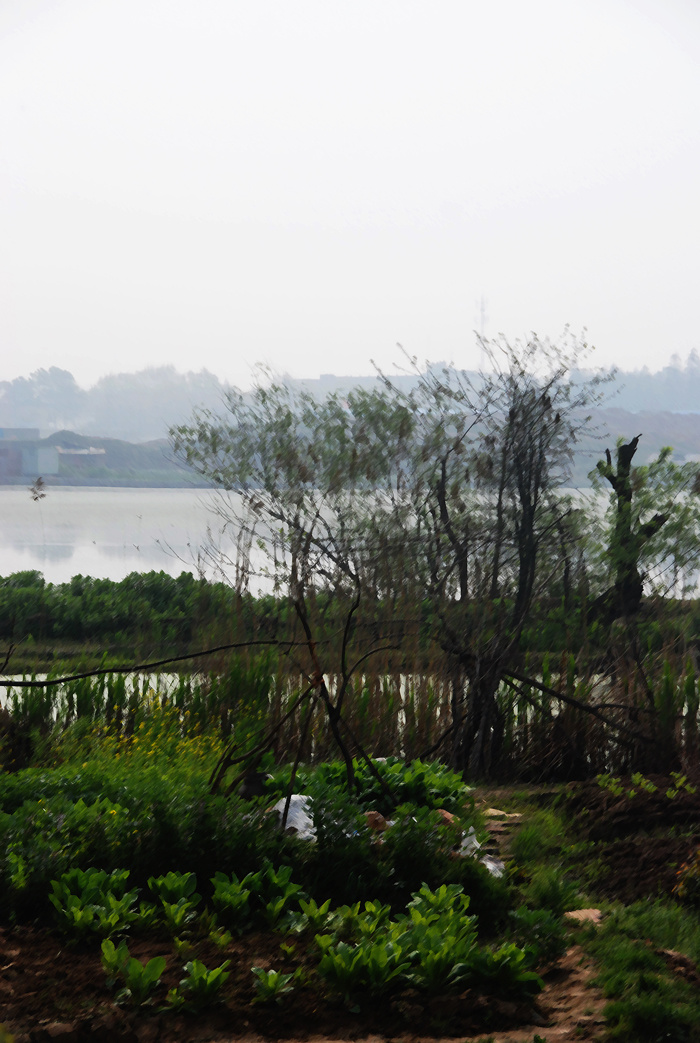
(112, 840)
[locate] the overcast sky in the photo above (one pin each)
(215, 183)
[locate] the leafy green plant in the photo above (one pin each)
(447, 900)
(643, 783)
(440, 935)
(371, 919)
(146, 917)
(114, 960)
(139, 979)
(343, 921)
(371, 965)
(178, 900)
(93, 901)
(178, 916)
(231, 899)
(271, 985)
(312, 916)
(182, 947)
(173, 887)
(504, 971)
(265, 896)
(680, 785)
(611, 784)
(200, 987)
(441, 960)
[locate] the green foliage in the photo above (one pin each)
(114, 960)
(139, 979)
(639, 782)
(432, 947)
(504, 971)
(650, 1002)
(151, 811)
(231, 898)
(142, 604)
(371, 965)
(421, 783)
(542, 835)
(260, 897)
(179, 917)
(549, 889)
(200, 987)
(313, 917)
(540, 932)
(175, 886)
(271, 985)
(93, 901)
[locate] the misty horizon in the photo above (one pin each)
(306, 185)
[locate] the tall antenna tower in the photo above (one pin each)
(481, 316)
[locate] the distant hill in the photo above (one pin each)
(135, 407)
(127, 416)
(67, 458)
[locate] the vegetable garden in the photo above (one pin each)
(133, 895)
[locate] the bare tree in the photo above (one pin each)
(491, 458)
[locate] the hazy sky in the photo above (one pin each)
(213, 183)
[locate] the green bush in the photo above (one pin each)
(421, 783)
(549, 889)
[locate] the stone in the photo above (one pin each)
(376, 822)
(584, 915)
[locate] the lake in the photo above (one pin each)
(104, 532)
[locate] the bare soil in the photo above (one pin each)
(639, 842)
(50, 992)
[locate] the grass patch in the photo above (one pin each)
(651, 1000)
(541, 837)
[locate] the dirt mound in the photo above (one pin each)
(641, 867)
(640, 839)
(603, 815)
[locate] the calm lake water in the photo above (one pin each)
(102, 532)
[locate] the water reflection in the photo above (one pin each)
(102, 532)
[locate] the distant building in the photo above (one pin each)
(10, 461)
(39, 460)
(22, 457)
